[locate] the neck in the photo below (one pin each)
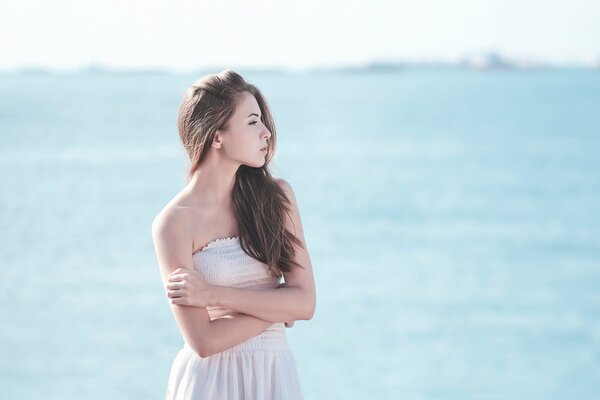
(212, 183)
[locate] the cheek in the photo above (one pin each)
(242, 145)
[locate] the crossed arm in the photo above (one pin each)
(217, 335)
(286, 303)
(258, 308)
(289, 303)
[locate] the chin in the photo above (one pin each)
(256, 164)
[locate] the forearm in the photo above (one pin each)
(227, 332)
(275, 305)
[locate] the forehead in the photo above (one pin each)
(247, 105)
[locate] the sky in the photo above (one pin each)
(183, 35)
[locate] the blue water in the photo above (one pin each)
(451, 216)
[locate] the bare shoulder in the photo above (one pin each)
(175, 215)
(170, 218)
(287, 189)
(293, 222)
(283, 183)
(172, 239)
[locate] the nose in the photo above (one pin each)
(267, 133)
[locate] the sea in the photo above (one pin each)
(452, 217)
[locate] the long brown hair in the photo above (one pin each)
(260, 205)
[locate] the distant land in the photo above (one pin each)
(484, 61)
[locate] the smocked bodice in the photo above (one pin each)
(223, 262)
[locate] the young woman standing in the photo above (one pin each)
(223, 244)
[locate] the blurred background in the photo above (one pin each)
(445, 157)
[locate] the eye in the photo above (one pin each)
(253, 122)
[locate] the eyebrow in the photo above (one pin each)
(252, 115)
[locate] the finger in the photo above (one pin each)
(180, 270)
(175, 285)
(175, 293)
(179, 300)
(176, 278)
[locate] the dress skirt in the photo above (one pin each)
(262, 368)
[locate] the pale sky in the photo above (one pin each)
(183, 35)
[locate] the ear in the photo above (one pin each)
(217, 140)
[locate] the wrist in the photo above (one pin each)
(213, 295)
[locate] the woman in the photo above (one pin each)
(223, 244)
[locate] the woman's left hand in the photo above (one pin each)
(186, 287)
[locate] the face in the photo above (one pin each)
(246, 135)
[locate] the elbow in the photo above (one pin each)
(204, 353)
(306, 307)
(202, 349)
(309, 312)
(308, 316)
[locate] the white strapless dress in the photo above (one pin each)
(260, 368)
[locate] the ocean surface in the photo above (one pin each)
(452, 217)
